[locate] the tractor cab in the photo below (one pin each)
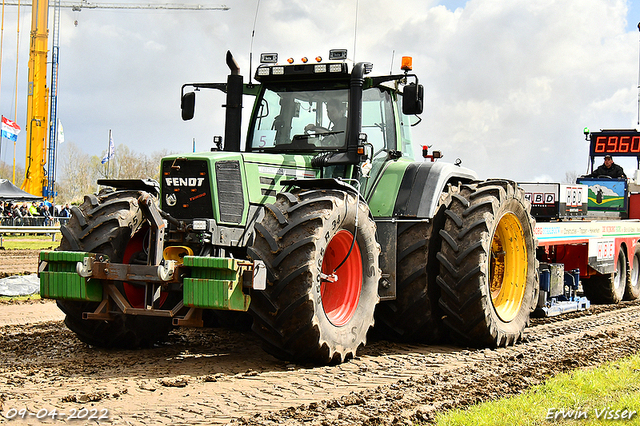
(342, 121)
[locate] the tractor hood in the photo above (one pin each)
(223, 185)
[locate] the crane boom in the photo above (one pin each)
(37, 100)
(37, 178)
(77, 6)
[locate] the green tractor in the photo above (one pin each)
(321, 226)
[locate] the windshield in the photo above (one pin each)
(314, 120)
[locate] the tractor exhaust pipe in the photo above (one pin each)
(233, 120)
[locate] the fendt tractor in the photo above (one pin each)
(320, 225)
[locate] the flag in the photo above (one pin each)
(10, 129)
(112, 150)
(60, 132)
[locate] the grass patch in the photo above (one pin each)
(30, 242)
(19, 299)
(581, 396)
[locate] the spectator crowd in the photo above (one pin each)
(32, 214)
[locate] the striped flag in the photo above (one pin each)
(10, 129)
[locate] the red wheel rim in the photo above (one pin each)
(340, 298)
(135, 293)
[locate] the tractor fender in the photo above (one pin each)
(422, 185)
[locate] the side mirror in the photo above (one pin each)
(412, 99)
(188, 105)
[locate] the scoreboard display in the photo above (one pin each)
(616, 143)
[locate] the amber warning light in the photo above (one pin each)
(407, 63)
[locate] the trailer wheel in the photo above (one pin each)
(414, 316)
(608, 288)
(107, 224)
(488, 271)
(632, 289)
(303, 315)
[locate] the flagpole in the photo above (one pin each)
(2, 115)
(108, 153)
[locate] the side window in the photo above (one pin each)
(267, 124)
(405, 132)
(377, 119)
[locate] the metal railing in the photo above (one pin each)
(32, 221)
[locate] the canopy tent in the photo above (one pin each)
(10, 192)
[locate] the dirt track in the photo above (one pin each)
(204, 376)
(14, 262)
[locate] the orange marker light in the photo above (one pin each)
(407, 64)
(318, 58)
(304, 60)
(290, 60)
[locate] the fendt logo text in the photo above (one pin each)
(184, 181)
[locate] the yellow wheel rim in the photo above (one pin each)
(508, 267)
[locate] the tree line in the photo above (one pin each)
(78, 172)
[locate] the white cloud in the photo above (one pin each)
(509, 84)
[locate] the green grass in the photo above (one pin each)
(8, 299)
(30, 242)
(610, 387)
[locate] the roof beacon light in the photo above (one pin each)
(269, 58)
(407, 64)
(338, 54)
(304, 60)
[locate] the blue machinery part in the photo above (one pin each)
(558, 291)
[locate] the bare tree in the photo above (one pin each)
(79, 171)
(78, 176)
(570, 177)
(6, 172)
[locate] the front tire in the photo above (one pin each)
(488, 273)
(303, 238)
(107, 224)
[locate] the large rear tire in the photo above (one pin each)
(488, 274)
(632, 289)
(106, 224)
(608, 288)
(414, 316)
(303, 238)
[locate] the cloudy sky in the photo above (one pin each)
(509, 85)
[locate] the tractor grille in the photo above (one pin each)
(229, 186)
(186, 189)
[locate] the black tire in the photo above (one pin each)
(105, 224)
(304, 234)
(632, 288)
(488, 270)
(608, 288)
(414, 316)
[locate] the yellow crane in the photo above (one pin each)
(38, 180)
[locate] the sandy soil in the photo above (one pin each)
(222, 376)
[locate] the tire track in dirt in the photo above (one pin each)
(205, 376)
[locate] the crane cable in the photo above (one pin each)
(15, 111)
